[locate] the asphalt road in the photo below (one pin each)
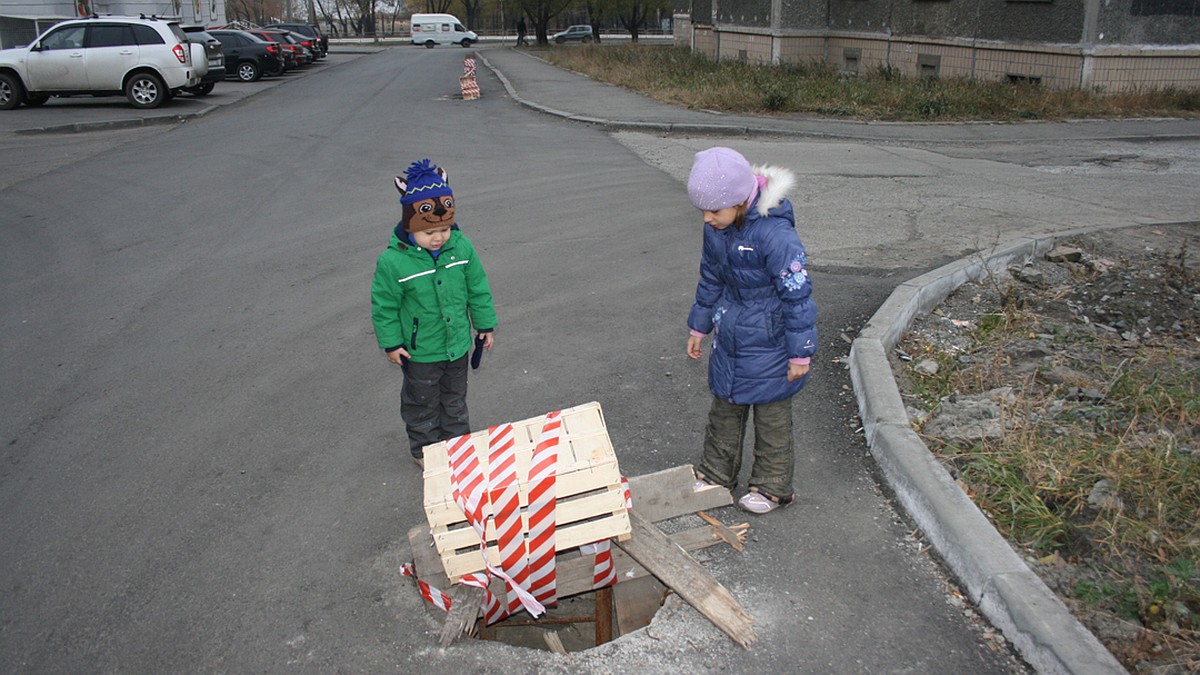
(203, 466)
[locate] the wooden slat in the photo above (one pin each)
(426, 563)
(574, 574)
(566, 513)
(604, 615)
(571, 536)
(465, 602)
(678, 570)
(637, 601)
(601, 474)
(668, 493)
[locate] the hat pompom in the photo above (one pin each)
(422, 180)
(720, 178)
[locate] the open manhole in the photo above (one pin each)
(582, 621)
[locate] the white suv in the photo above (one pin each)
(146, 60)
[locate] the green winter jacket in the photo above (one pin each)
(429, 306)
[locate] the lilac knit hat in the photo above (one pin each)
(720, 178)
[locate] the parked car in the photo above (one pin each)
(320, 40)
(306, 48)
(146, 60)
(293, 53)
(573, 34)
(248, 57)
(216, 60)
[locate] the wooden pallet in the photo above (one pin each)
(646, 554)
(590, 498)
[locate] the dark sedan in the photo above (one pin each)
(249, 57)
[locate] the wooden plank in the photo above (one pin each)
(674, 567)
(426, 562)
(604, 615)
(464, 610)
(568, 537)
(574, 574)
(637, 601)
(566, 512)
(668, 494)
(725, 533)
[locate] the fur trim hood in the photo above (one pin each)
(780, 182)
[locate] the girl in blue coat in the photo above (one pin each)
(755, 298)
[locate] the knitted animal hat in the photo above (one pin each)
(720, 178)
(427, 198)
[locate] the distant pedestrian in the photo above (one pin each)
(521, 32)
(755, 297)
(430, 291)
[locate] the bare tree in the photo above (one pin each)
(633, 14)
(473, 9)
(540, 12)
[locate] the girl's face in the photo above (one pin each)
(722, 218)
(432, 239)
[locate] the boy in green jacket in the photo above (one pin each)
(429, 292)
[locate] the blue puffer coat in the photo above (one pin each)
(755, 295)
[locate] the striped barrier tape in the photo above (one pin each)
(432, 595)
(543, 474)
(604, 571)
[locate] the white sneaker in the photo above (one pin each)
(699, 485)
(755, 502)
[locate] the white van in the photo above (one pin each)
(440, 29)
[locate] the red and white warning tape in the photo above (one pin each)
(604, 572)
(543, 471)
(434, 596)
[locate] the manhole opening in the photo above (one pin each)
(583, 621)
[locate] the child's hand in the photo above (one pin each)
(797, 371)
(488, 340)
(395, 356)
(693, 346)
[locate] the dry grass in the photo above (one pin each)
(1097, 473)
(678, 76)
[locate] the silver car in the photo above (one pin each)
(146, 60)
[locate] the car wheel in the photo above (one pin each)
(145, 90)
(429, 44)
(11, 91)
(560, 40)
(202, 89)
(587, 40)
(34, 100)
(466, 42)
(248, 72)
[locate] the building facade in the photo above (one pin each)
(1109, 45)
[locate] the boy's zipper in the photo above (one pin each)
(413, 341)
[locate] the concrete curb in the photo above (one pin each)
(79, 127)
(1010, 595)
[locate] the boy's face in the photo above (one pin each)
(722, 218)
(432, 239)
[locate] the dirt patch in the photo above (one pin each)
(1062, 395)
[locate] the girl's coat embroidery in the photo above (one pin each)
(794, 276)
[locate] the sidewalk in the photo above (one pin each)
(1009, 594)
(551, 90)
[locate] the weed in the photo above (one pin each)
(680, 76)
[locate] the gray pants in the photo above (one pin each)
(774, 457)
(433, 403)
